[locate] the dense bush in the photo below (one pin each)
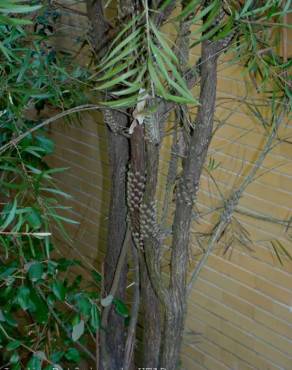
(47, 315)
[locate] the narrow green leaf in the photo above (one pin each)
(14, 21)
(112, 62)
(121, 103)
(163, 42)
(122, 32)
(5, 51)
(118, 80)
(214, 5)
(188, 10)
(11, 215)
(112, 72)
(226, 30)
(65, 219)
(129, 90)
(20, 9)
(156, 79)
(247, 5)
(132, 38)
(94, 317)
(57, 192)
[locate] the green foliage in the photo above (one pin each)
(142, 64)
(41, 311)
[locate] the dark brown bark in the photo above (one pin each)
(118, 152)
(187, 190)
(151, 304)
(119, 156)
(99, 26)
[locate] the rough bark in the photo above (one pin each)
(187, 189)
(118, 152)
(151, 304)
(119, 156)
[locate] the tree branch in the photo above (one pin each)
(232, 202)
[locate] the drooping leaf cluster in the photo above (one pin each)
(141, 57)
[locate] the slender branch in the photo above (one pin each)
(36, 234)
(232, 202)
(59, 321)
(80, 108)
(273, 220)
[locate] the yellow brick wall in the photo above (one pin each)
(240, 308)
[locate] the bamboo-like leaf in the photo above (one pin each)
(113, 71)
(121, 103)
(161, 59)
(180, 86)
(132, 38)
(188, 10)
(262, 9)
(11, 215)
(163, 42)
(14, 21)
(13, 7)
(130, 49)
(208, 35)
(177, 99)
(247, 5)
(118, 80)
(213, 8)
(123, 31)
(164, 4)
(127, 91)
(155, 79)
(226, 29)
(5, 51)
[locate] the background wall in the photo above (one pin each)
(240, 308)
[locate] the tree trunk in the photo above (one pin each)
(187, 190)
(151, 304)
(118, 152)
(119, 156)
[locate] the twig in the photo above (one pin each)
(231, 204)
(264, 217)
(80, 108)
(59, 321)
(14, 233)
